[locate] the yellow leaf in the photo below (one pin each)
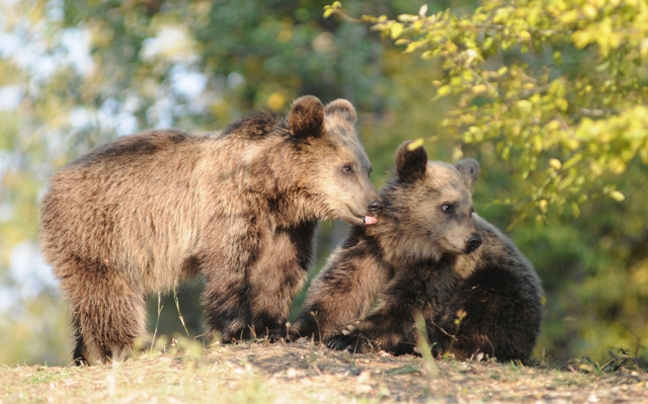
(590, 11)
(575, 209)
(575, 159)
(488, 42)
(543, 205)
(569, 17)
(369, 18)
(276, 101)
(479, 88)
(506, 153)
(524, 105)
(396, 30)
(451, 47)
(644, 48)
(443, 90)
(581, 39)
(457, 153)
(428, 54)
(596, 169)
(553, 125)
(407, 17)
(572, 144)
(555, 164)
(617, 196)
(415, 144)
(411, 47)
(617, 166)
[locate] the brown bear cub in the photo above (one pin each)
(239, 206)
(428, 254)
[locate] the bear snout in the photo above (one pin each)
(375, 206)
(473, 243)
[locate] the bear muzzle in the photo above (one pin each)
(473, 243)
(374, 207)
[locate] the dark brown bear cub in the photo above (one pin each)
(428, 254)
(239, 207)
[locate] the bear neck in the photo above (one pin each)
(288, 190)
(282, 185)
(262, 171)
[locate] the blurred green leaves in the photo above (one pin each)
(560, 87)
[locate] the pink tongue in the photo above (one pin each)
(370, 220)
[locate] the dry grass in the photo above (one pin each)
(306, 373)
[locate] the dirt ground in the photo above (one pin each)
(304, 372)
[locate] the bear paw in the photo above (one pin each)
(273, 335)
(350, 339)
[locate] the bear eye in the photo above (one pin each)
(447, 208)
(347, 169)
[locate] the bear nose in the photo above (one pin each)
(375, 206)
(473, 243)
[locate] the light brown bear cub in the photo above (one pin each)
(240, 207)
(431, 254)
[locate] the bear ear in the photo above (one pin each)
(469, 170)
(411, 164)
(306, 117)
(342, 108)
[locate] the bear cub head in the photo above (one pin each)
(334, 167)
(432, 202)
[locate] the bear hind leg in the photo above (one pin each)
(108, 314)
(227, 309)
(108, 328)
(80, 354)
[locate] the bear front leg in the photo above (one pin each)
(350, 338)
(376, 333)
(277, 276)
(227, 306)
(341, 293)
(226, 261)
(391, 326)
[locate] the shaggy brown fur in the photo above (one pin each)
(240, 207)
(427, 254)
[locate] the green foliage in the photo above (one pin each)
(559, 87)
